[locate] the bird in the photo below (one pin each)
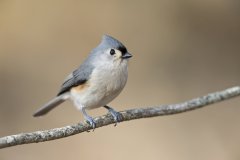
(96, 82)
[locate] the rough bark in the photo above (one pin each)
(56, 133)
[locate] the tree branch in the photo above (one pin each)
(47, 135)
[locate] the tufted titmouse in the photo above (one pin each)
(98, 80)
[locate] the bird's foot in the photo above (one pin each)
(91, 121)
(116, 115)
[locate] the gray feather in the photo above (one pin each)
(77, 77)
(50, 105)
(83, 73)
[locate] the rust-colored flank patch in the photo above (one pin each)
(80, 88)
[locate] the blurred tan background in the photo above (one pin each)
(181, 50)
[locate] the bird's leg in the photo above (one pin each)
(116, 115)
(89, 119)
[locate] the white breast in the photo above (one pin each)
(105, 84)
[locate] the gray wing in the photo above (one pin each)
(77, 77)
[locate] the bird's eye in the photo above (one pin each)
(112, 51)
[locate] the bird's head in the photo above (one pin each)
(110, 50)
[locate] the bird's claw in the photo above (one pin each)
(116, 116)
(91, 121)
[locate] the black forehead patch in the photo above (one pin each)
(122, 49)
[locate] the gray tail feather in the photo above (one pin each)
(51, 104)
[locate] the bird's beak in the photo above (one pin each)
(126, 56)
